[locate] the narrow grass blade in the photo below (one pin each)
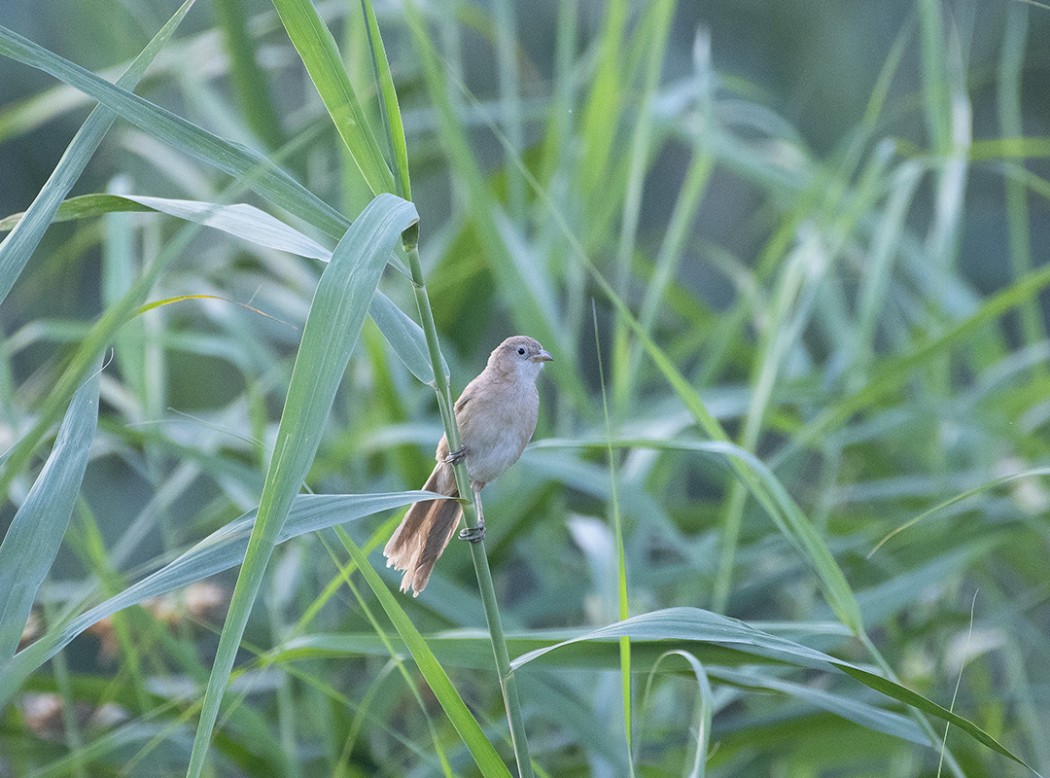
(705, 626)
(988, 485)
(774, 499)
(877, 719)
(926, 705)
(525, 283)
(1010, 109)
(652, 34)
(246, 164)
(20, 244)
(405, 337)
(506, 30)
(388, 103)
(472, 650)
(934, 78)
(699, 625)
(604, 101)
(621, 563)
(319, 53)
(1019, 148)
(459, 715)
(221, 550)
(81, 207)
(894, 373)
(248, 223)
(35, 535)
(240, 220)
(703, 735)
(332, 330)
(246, 75)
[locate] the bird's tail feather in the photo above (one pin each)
(425, 532)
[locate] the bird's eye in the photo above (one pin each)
(521, 350)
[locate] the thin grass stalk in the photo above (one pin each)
(562, 100)
(451, 38)
(284, 694)
(621, 564)
(774, 347)
(395, 137)
(794, 299)
(72, 734)
(247, 77)
(668, 260)
(510, 100)
(1011, 66)
(642, 148)
(604, 101)
(949, 116)
(507, 681)
(91, 548)
(389, 108)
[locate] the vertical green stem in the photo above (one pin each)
(507, 682)
(621, 563)
(1011, 69)
(249, 79)
(73, 736)
(510, 104)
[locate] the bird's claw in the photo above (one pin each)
(457, 456)
(473, 534)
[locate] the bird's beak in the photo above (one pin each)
(543, 356)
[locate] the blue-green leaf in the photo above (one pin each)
(36, 533)
(332, 329)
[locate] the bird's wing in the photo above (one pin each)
(464, 398)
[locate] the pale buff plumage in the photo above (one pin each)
(496, 415)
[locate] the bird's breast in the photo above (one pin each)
(495, 427)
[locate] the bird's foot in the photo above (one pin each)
(473, 534)
(456, 456)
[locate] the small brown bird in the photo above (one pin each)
(496, 415)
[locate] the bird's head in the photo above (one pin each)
(519, 355)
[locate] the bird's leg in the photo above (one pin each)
(475, 534)
(456, 456)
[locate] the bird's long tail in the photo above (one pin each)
(424, 533)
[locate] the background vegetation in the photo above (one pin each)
(788, 258)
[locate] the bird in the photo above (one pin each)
(496, 415)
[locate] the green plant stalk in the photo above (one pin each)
(507, 682)
(621, 565)
(791, 306)
(284, 698)
(774, 347)
(1011, 67)
(510, 102)
(642, 147)
(247, 76)
(73, 736)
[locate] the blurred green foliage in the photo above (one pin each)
(789, 258)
